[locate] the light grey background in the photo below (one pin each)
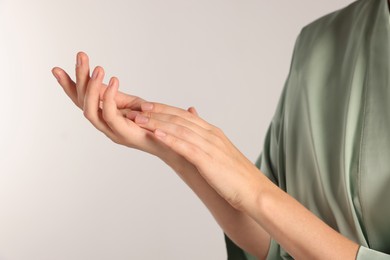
(66, 191)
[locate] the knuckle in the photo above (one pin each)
(217, 137)
(217, 131)
(190, 115)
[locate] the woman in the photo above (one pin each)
(319, 188)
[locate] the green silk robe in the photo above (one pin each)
(328, 144)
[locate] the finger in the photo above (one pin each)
(132, 114)
(82, 76)
(125, 111)
(179, 131)
(111, 114)
(67, 84)
(165, 109)
(91, 104)
(193, 111)
(152, 118)
(193, 153)
(124, 100)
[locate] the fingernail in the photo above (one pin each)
(192, 110)
(78, 60)
(56, 76)
(95, 73)
(146, 106)
(140, 119)
(132, 115)
(160, 133)
(111, 83)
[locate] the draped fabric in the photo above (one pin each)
(328, 144)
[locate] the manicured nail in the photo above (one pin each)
(95, 73)
(146, 106)
(78, 60)
(160, 133)
(140, 119)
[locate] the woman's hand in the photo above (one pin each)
(170, 133)
(90, 94)
(220, 163)
(105, 107)
(77, 90)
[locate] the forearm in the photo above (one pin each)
(240, 228)
(295, 228)
(240, 183)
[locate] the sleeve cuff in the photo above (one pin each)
(365, 253)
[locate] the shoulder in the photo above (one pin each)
(332, 28)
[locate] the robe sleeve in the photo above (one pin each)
(365, 253)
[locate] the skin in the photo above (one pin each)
(245, 203)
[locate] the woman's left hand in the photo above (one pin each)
(220, 163)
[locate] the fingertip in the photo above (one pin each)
(147, 106)
(111, 82)
(83, 56)
(56, 73)
(109, 93)
(132, 114)
(100, 68)
(192, 110)
(98, 72)
(55, 69)
(114, 82)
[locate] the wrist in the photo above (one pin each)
(167, 155)
(174, 161)
(257, 192)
